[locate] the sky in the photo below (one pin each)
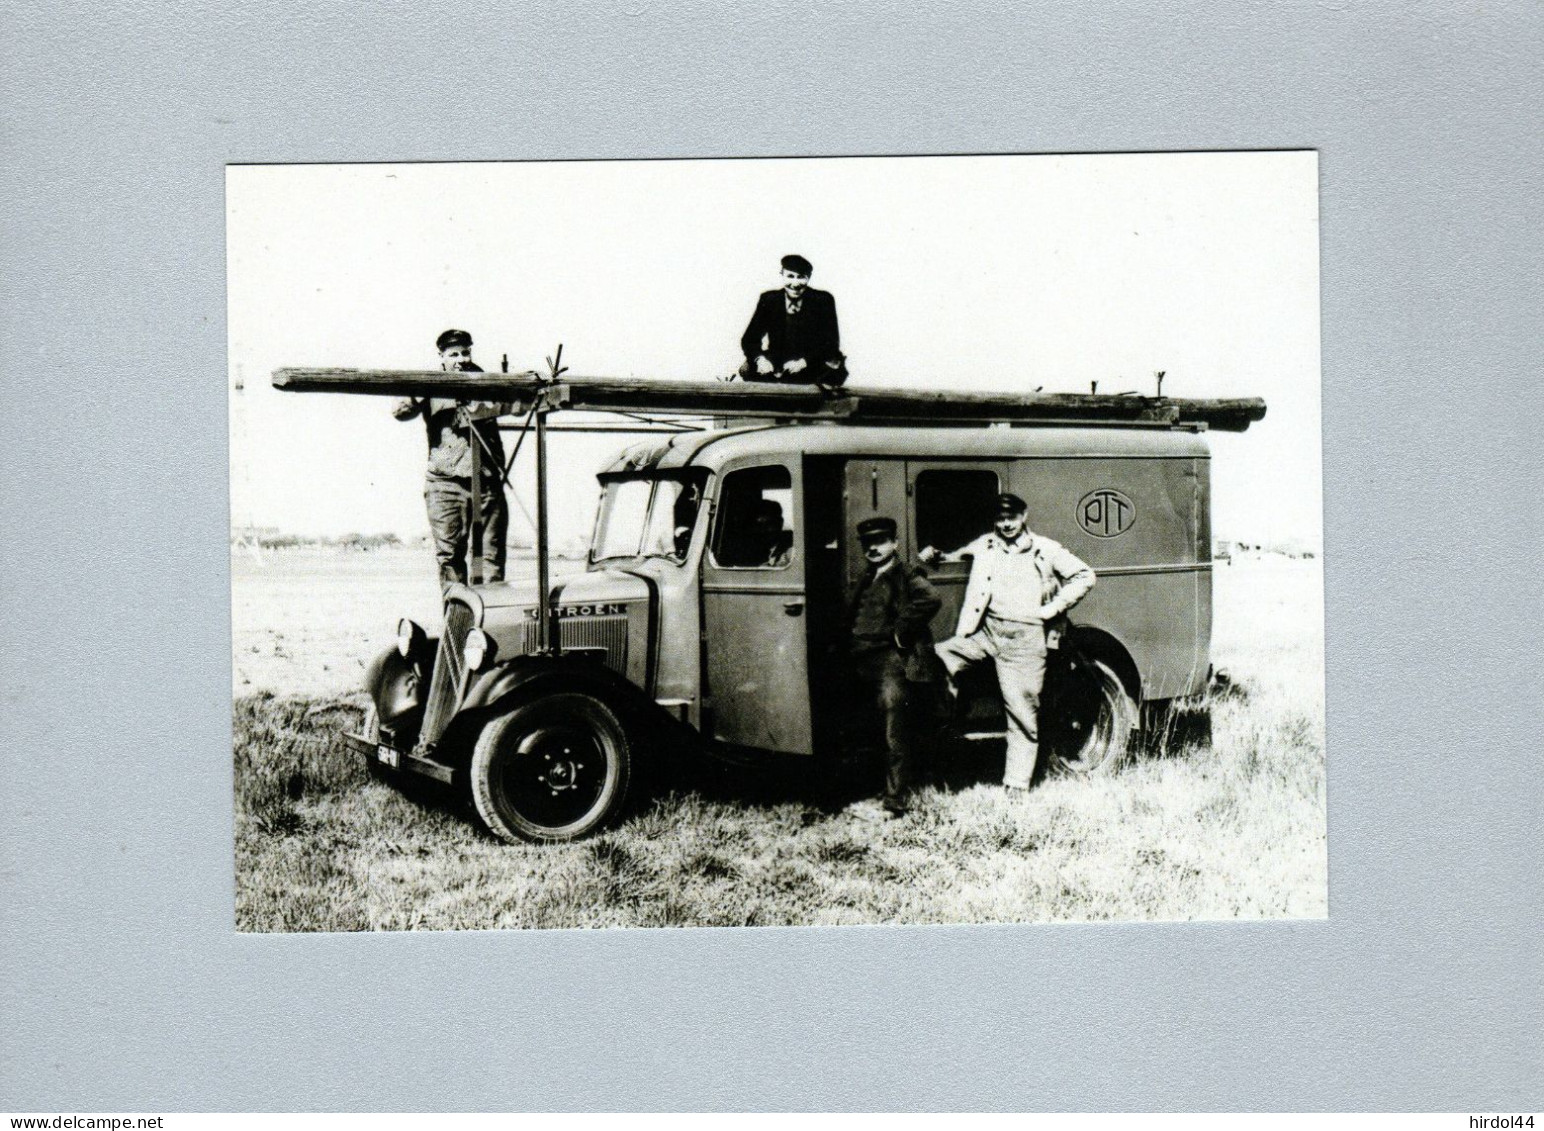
(990, 273)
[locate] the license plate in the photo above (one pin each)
(389, 756)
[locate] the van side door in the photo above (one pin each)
(871, 487)
(755, 653)
(953, 502)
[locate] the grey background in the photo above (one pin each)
(125, 986)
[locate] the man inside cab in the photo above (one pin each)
(1021, 586)
(452, 428)
(792, 337)
(767, 543)
(889, 644)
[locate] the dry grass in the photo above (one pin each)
(1236, 830)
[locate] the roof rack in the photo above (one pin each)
(859, 405)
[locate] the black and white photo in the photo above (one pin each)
(925, 540)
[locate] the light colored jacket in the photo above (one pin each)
(1066, 578)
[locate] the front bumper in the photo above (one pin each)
(378, 753)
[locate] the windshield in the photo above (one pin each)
(650, 518)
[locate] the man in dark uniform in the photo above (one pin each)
(452, 427)
(793, 335)
(891, 648)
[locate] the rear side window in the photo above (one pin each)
(954, 506)
(755, 527)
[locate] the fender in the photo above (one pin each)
(396, 683)
(521, 674)
(496, 690)
(1095, 643)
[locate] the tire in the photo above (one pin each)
(1087, 727)
(555, 768)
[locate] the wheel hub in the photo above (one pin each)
(557, 758)
(561, 772)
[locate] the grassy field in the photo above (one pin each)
(1185, 832)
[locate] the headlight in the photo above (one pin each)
(478, 648)
(409, 637)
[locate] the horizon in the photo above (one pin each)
(527, 541)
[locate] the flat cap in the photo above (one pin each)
(452, 338)
(879, 527)
(797, 264)
(1009, 503)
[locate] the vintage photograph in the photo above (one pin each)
(776, 542)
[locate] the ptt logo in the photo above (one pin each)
(1106, 513)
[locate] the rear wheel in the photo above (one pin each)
(1087, 720)
(553, 769)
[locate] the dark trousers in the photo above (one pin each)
(449, 503)
(881, 677)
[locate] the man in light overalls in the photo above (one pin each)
(1021, 586)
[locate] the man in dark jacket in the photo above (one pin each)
(793, 336)
(891, 648)
(452, 428)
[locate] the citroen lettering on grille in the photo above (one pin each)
(608, 609)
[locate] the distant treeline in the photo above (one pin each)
(269, 539)
(276, 540)
(1225, 548)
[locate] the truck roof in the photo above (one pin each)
(712, 449)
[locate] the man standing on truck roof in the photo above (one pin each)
(453, 427)
(890, 644)
(1021, 586)
(792, 336)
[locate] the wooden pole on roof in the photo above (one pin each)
(853, 404)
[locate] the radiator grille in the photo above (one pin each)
(606, 633)
(446, 684)
(609, 633)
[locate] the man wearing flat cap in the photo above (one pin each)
(1021, 586)
(793, 337)
(890, 647)
(453, 427)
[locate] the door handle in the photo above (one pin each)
(793, 608)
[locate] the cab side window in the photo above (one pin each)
(954, 507)
(755, 527)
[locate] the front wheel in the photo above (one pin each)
(554, 769)
(1088, 722)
